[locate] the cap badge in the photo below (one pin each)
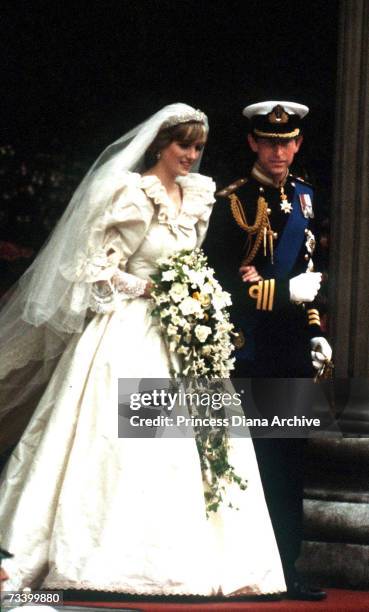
(278, 115)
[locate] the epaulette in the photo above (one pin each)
(300, 179)
(223, 193)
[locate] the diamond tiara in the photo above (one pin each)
(196, 115)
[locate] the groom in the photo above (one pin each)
(261, 244)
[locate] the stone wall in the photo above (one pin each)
(336, 513)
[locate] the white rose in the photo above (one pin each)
(190, 306)
(196, 277)
(208, 288)
(178, 292)
(202, 332)
(168, 275)
(221, 300)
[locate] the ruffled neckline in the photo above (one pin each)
(192, 183)
(197, 195)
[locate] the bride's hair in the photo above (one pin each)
(187, 133)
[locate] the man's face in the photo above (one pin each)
(275, 156)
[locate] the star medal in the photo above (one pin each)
(286, 206)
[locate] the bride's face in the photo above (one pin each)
(178, 158)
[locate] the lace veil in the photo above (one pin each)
(50, 301)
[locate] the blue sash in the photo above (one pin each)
(291, 240)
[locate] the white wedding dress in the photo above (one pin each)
(81, 508)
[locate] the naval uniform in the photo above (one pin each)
(274, 333)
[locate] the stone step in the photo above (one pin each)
(329, 479)
(350, 453)
(336, 522)
(331, 564)
(330, 492)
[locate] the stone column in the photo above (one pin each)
(349, 252)
(336, 506)
(335, 551)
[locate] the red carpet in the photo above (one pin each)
(337, 601)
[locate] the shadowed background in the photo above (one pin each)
(76, 79)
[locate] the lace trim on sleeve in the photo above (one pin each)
(129, 284)
(106, 295)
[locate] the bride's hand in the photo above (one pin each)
(249, 274)
(148, 289)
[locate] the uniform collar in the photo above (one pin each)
(258, 173)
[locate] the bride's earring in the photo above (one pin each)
(158, 155)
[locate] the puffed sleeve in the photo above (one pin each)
(125, 225)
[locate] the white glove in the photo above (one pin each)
(304, 287)
(321, 352)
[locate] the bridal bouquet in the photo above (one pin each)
(192, 310)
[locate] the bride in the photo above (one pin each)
(79, 507)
